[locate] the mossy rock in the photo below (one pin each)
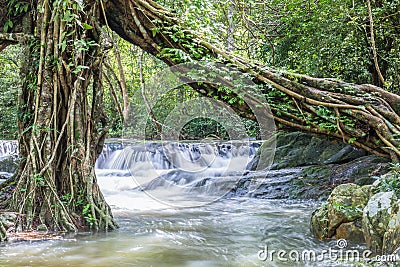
(344, 205)
(391, 238)
(376, 217)
(351, 231)
(361, 171)
(7, 221)
(388, 182)
(300, 149)
(319, 222)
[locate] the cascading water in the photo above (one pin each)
(119, 156)
(157, 232)
(8, 148)
(8, 158)
(172, 169)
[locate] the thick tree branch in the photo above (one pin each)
(363, 115)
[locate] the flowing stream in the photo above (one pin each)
(171, 204)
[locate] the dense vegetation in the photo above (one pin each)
(77, 79)
(319, 38)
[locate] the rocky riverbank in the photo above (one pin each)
(308, 167)
(369, 213)
(304, 167)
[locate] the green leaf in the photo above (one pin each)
(26, 6)
(8, 25)
(87, 26)
(154, 31)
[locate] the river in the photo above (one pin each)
(164, 227)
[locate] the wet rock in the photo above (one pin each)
(351, 231)
(319, 222)
(8, 165)
(345, 205)
(253, 164)
(311, 182)
(346, 154)
(362, 171)
(274, 185)
(300, 149)
(7, 221)
(324, 166)
(376, 217)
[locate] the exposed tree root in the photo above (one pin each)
(362, 115)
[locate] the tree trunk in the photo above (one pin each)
(62, 124)
(365, 116)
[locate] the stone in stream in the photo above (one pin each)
(7, 222)
(300, 149)
(379, 221)
(351, 231)
(345, 205)
(376, 217)
(322, 164)
(391, 238)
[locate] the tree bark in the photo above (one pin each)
(363, 115)
(62, 129)
(63, 125)
(373, 47)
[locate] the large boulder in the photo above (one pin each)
(7, 221)
(301, 149)
(320, 165)
(391, 238)
(381, 220)
(376, 217)
(342, 213)
(310, 182)
(319, 222)
(298, 149)
(351, 231)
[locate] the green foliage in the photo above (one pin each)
(352, 140)
(390, 184)
(348, 210)
(395, 167)
(9, 86)
(87, 214)
(15, 9)
(319, 38)
(390, 181)
(203, 128)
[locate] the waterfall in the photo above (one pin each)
(171, 155)
(8, 158)
(175, 166)
(204, 167)
(8, 148)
